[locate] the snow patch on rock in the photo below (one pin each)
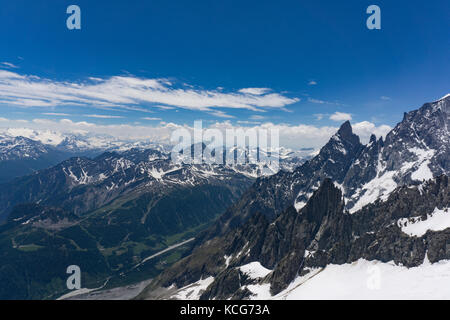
(438, 220)
(194, 290)
(255, 270)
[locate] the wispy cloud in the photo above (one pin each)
(128, 91)
(257, 117)
(340, 116)
(57, 114)
(254, 91)
(319, 116)
(248, 122)
(8, 65)
(318, 101)
(102, 116)
(221, 114)
(385, 98)
(165, 107)
(312, 83)
(151, 119)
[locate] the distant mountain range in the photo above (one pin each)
(349, 202)
(37, 150)
(23, 152)
(20, 156)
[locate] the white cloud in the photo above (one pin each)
(102, 116)
(151, 119)
(318, 101)
(56, 114)
(312, 83)
(165, 107)
(8, 65)
(385, 98)
(130, 92)
(365, 128)
(319, 116)
(340, 116)
(257, 117)
(254, 91)
(221, 114)
(247, 122)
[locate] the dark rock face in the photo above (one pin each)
(425, 128)
(372, 233)
(293, 233)
(272, 195)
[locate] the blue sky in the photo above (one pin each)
(317, 61)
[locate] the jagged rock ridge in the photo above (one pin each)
(323, 232)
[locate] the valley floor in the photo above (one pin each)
(119, 293)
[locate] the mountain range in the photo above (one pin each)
(23, 152)
(415, 150)
(244, 231)
(349, 202)
(119, 207)
(21, 156)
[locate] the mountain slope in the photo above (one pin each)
(272, 195)
(21, 156)
(37, 150)
(416, 149)
(299, 244)
(283, 217)
(81, 184)
(106, 215)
